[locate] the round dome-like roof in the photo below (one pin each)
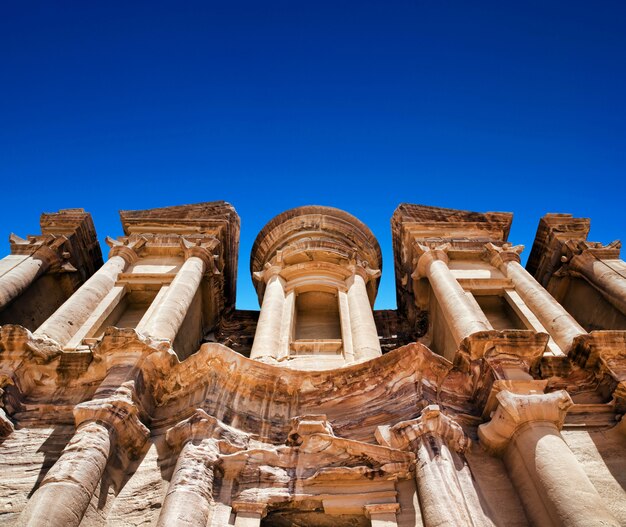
(314, 232)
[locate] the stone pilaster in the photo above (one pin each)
(552, 485)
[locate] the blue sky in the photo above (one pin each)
(514, 106)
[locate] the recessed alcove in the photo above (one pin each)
(128, 312)
(499, 312)
(317, 316)
(317, 324)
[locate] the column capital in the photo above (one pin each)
(127, 248)
(500, 255)
(201, 248)
(250, 507)
(574, 251)
(201, 425)
(269, 271)
(431, 422)
(516, 410)
(362, 268)
(121, 416)
(372, 509)
(425, 254)
(364, 271)
(51, 248)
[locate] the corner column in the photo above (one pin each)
(68, 319)
(462, 316)
(103, 425)
(552, 485)
(601, 275)
(268, 331)
(437, 441)
(27, 269)
(365, 342)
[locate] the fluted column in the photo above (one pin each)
(170, 313)
(190, 493)
(267, 337)
(365, 342)
(68, 319)
(463, 317)
(562, 327)
(552, 485)
(609, 281)
(437, 442)
(107, 422)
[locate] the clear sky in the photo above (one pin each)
(514, 106)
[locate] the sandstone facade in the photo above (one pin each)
(133, 392)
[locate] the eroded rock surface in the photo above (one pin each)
(146, 398)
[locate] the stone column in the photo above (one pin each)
(249, 514)
(559, 323)
(382, 514)
(601, 275)
(365, 342)
(552, 485)
(267, 337)
(438, 442)
(189, 496)
(68, 319)
(15, 281)
(65, 492)
(462, 316)
(102, 425)
(169, 315)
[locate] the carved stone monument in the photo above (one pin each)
(133, 392)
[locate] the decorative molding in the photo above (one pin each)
(381, 508)
(498, 256)
(127, 247)
(431, 422)
(123, 418)
(425, 254)
(201, 425)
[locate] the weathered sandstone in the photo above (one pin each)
(136, 394)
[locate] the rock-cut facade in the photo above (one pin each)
(133, 392)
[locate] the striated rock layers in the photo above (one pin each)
(132, 392)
